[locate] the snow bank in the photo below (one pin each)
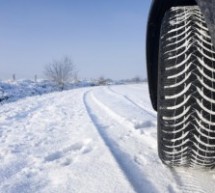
(13, 90)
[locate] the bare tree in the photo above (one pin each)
(136, 79)
(61, 71)
(102, 81)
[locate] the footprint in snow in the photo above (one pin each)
(53, 156)
(145, 127)
(66, 162)
(67, 155)
(145, 124)
(140, 160)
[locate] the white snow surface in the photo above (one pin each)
(88, 140)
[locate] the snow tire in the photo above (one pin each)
(186, 90)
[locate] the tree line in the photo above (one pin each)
(63, 71)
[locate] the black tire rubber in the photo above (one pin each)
(186, 90)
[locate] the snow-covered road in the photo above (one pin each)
(89, 140)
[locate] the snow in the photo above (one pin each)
(92, 139)
(11, 91)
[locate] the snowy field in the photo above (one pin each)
(88, 140)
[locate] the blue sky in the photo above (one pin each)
(102, 37)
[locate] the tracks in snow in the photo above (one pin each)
(126, 163)
(146, 110)
(136, 152)
(109, 136)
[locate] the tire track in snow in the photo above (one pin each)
(131, 125)
(186, 181)
(131, 171)
(131, 101)
(137, 124)
(150, 171)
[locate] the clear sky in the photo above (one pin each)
(102, 37)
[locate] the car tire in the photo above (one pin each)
(186, 90)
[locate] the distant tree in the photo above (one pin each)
(102, 81)
(14, 77)
(136, 79)
(61, 71)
